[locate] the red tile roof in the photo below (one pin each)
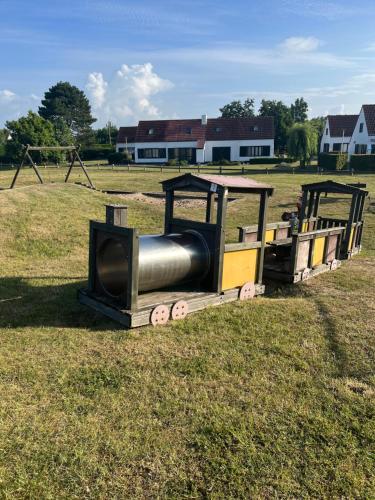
(339, 124)
(217, 129)
(171, 131)
(224, 129)
(369, 111)
(126, 134)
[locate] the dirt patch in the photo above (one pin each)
(159, 199)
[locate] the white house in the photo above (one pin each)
(337, 133)
(363, 137)
(199, 140)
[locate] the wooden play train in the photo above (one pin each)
(141, 279)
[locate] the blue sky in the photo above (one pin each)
(145, 59)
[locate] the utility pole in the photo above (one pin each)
(109, 132)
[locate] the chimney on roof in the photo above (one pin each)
(204, 119)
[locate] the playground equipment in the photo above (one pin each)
(27, 156)
(318, 243)
(138, 280)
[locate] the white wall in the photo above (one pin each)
(164, 145)
(235, 148)
(203, 155)
(327, 139)
(361, 137)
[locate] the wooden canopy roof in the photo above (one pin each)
(215, 184)
(333, 187)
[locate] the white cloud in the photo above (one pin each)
(7, 95)
(127, 97)
(13, 106)
(97, 88)
(370, 48)
(301, 44)
(288, 57)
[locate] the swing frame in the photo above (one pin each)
(27, 157)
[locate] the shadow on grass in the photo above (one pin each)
(277, 290)
(23, 304)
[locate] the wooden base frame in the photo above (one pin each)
(196, 301)
(274, 274)
(27, 157)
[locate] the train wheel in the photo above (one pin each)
(247, 291)
(180, 309)
(160, 315)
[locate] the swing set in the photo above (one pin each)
(27, 157)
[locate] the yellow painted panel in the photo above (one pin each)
(239, 268)
(351, 239)
(305, 227)
(318, 251)
(270, 235)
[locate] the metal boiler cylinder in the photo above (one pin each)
(164, 260)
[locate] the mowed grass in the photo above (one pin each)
(264, 399)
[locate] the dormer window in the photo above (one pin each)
(360, 128)
(188, 130)
(150, 131)
(254, 128)
(218, 129)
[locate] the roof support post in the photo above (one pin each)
(220, 240)
(302, 213)
(169, 206)
(262, 226)
(210, 208)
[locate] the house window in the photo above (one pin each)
(360, 128)
(188, 130)
(254, 128)
(336, 147)
(186, 154)
(360, 149)
(253, 151)
(326, 131)
(150, 131)
(218, 129)
(152, 153)
(121, 150)
(373, 149)
(326, 147)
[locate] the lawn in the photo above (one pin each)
(264, 399)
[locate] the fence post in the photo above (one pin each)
(220, 169)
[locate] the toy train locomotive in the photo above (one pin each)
(142, 279)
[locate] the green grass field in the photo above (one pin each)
(271, 398)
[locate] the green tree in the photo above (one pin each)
(63, 133)
(302, 142)
(299, 110)
(283, 120)
(237, 109)
(67, 102)
(33, 130)
(102, 135)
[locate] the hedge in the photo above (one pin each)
(97, 152)
(119, 158)
(269, 161)
(332, 162)
(363, 163)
